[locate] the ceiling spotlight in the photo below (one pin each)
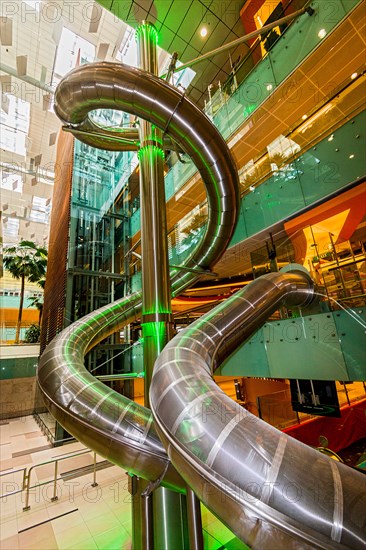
(354, 75)
(304, 117)
(251, 188)
(352, 156)
(203, 32)
(322, 33)
(331, 137)
(269, 87)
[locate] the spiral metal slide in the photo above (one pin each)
(272, 491)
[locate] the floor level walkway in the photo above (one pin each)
(84, 517)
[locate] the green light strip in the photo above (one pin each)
(158, 332)
(149, 30)
(150, 150)
(157, 308)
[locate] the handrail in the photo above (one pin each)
(26, 486)
(330, 453)
(47, 432)
(55, 479)
(23, 482)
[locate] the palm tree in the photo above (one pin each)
(37, 302)
(27, 261)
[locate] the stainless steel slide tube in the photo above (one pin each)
(270, 489)
(116, 428)
(116, 86)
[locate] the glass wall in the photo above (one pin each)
(98, 268)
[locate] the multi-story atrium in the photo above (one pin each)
(247, 120)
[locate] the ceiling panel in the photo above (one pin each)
(145, 4)
(165, 39)
(33, 38)
(176, 14)
(179, 45)
(136, 15)
(158, 10)
(191, 22)
(214, 38)
(190, 53)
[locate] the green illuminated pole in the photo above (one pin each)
(156, 307)
(168, 507)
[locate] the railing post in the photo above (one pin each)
(95, 484)
(55, 497)
(26, 480)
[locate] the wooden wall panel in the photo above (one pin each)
(55, 289)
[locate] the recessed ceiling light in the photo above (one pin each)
(322, 33)
(352, 156)
(203, 32)
(331, 138)
(304, 117)
(354, 75)
(251, 188)
(269, 87)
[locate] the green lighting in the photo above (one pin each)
(155, 135)
(149, 30)
(151, 150)
(156, 334)
(249, 109)
(157, 308)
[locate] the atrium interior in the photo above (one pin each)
(253, 132)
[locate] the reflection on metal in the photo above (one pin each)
(198, 272)
(119, 139)
(116, 427)
(127, 140)
(163, 504)
(127, 376)
(271, 490)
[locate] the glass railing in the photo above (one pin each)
(299, 40)
(317, 173)
(313, 174)
(330, 165)
(258, 82)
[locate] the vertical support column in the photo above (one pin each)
(194, 521)
(168, 507)
(142, 523)
(156, 307)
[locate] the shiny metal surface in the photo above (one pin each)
(194, 521)
(271, 490)
(116, 86)
(156, 306)
(167, 518)
(116, 139)
(118, 429)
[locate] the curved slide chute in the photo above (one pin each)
(98, 417)
(271, 490)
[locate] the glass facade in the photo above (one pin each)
(98, 268)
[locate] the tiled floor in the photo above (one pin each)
(84, 517)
